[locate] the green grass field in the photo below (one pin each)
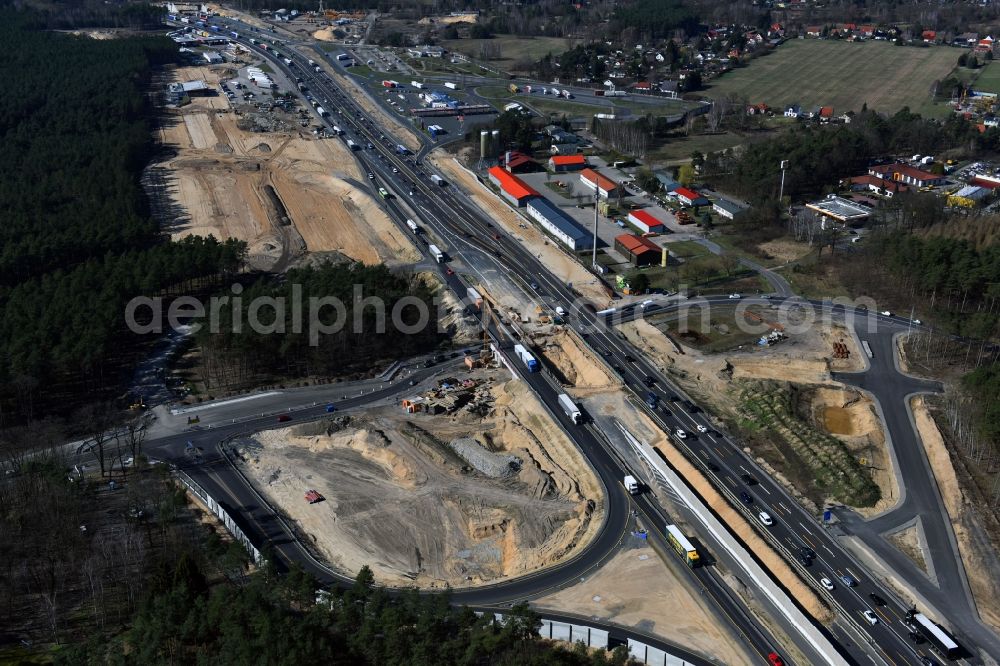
(513, 48)
(989, 79)
(814, 72)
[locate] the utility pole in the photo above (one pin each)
(597, 201)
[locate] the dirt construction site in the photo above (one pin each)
(798, 367)
(474, 494)
(284, 193)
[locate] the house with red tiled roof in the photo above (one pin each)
(876, 184)
(904, 173)
(929, 36)
(825, 112)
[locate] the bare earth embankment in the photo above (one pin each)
(218, 177)
(432, 501)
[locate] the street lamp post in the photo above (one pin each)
(781, 192)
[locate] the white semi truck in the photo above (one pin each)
(568, 406)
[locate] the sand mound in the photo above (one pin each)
(399, 499)
(576, 363)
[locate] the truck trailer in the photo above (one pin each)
(437, 180)
(322, 112)
(436, 253)
(414, 227)
(417, 85)
(352, 145)
(530, 362)
(450, 85)
(474, 297)
(568, 406)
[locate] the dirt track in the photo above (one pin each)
(218, 174)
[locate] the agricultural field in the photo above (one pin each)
(844, 75)
(514, 49)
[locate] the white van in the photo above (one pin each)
(765, 518)
(560, 311)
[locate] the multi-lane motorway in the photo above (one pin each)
(462, 231)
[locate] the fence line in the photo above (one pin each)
(223, 515)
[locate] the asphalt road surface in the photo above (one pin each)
(454, 218)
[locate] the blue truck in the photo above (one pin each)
(530, 362)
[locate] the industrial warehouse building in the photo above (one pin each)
(689, 197)
(559, 224)
(564, 163)
(604, 185)
(727, 209)
(640, 251)
(646, 222)
(212, 57)
(511, 187)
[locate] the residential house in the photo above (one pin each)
(757, 109)
(929, 36)
(826, 113)
(643, 87)
(793, 111)
(814, 31)
(876, 184)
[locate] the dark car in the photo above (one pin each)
(284, 418)
(673, 398)
(745, 497)
(629, 358)
(649, 381)
(747, 479)
(806, 551)
(691, 407)
(712, 466)
(876, 599)
(806, 561)
(916, 638)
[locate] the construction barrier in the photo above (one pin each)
(223, 515)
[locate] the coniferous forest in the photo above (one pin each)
(77, 241)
